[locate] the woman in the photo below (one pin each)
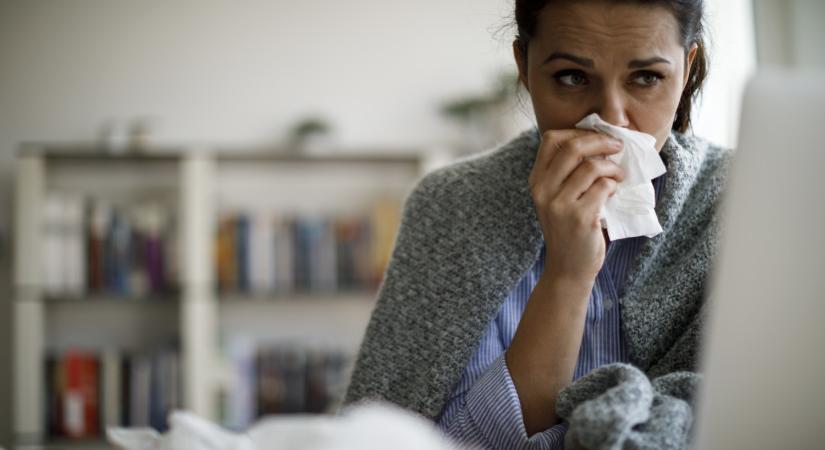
(506, 314)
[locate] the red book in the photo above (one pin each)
(80, 396)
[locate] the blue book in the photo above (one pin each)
(157, 413)
(303, 254)
(118, 259)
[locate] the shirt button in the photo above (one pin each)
(608, 303)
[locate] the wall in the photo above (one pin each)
(731, 44)
(790, 33)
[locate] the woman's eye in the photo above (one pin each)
(647, 78)
(570, 78)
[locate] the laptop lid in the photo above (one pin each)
(764, 352)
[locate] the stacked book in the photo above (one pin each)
(263, 253)
(93, 247)
(88, 391)
(283, 379)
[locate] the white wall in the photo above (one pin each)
(732, 51)
(791, 32)
(242, 71)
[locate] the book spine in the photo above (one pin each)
(80, 396)
(242, 252)
(285, 268)
(262, 258)
(112, 405)
(53, 258)
(141, 381)
(74, 250)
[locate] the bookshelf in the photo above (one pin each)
(214, 318)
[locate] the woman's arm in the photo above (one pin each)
(484, 409)
(543, 355)
(488, 415)
(569, 184)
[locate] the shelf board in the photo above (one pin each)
(153, 299)
(123, 324)
(81, 444)
(94, 152)
(54, 443)
(296, 298)
(338, 158)
(332, 319)
(90, 152)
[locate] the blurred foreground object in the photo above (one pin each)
(364, 427)
(763, 360)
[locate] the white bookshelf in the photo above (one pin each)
(200, 184)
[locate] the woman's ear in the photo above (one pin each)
(521, 64)
(689, 62)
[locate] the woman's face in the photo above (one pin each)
(622, 61)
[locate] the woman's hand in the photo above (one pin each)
(569, 184)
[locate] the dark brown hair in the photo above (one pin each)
(688, 13)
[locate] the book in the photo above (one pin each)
(284, 243)
(90, 246)
(386, 216)
(239, 405)
(111, 387)
(74, 249)
(262, 253)
(225, 254)
(79, 398)
(53, 257)
(242, 254)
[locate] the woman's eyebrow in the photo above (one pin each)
(638, 63)
(586, 62)
(576, 59)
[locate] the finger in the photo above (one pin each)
(587, 173)
(550, 143)
(595, 197)
(573, 151)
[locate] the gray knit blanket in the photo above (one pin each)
(469, 232)
(617, 407)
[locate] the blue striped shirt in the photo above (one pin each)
(484, 409)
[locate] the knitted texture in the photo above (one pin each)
(469, 232)
(616, 407)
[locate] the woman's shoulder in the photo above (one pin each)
(708, 164)
(713, 158)
(470, 178)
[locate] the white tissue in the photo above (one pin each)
(630, 212)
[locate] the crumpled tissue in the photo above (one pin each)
(630, 212)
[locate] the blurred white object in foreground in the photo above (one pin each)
(365, 427)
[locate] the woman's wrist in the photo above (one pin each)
(542, 357)
(566, 284)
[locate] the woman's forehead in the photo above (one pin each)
(602, 26)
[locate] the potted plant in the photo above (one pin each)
(311, 135)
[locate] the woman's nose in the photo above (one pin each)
(612, 108)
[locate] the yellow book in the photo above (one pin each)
(386, 218)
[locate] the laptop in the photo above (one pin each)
(764, 358)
